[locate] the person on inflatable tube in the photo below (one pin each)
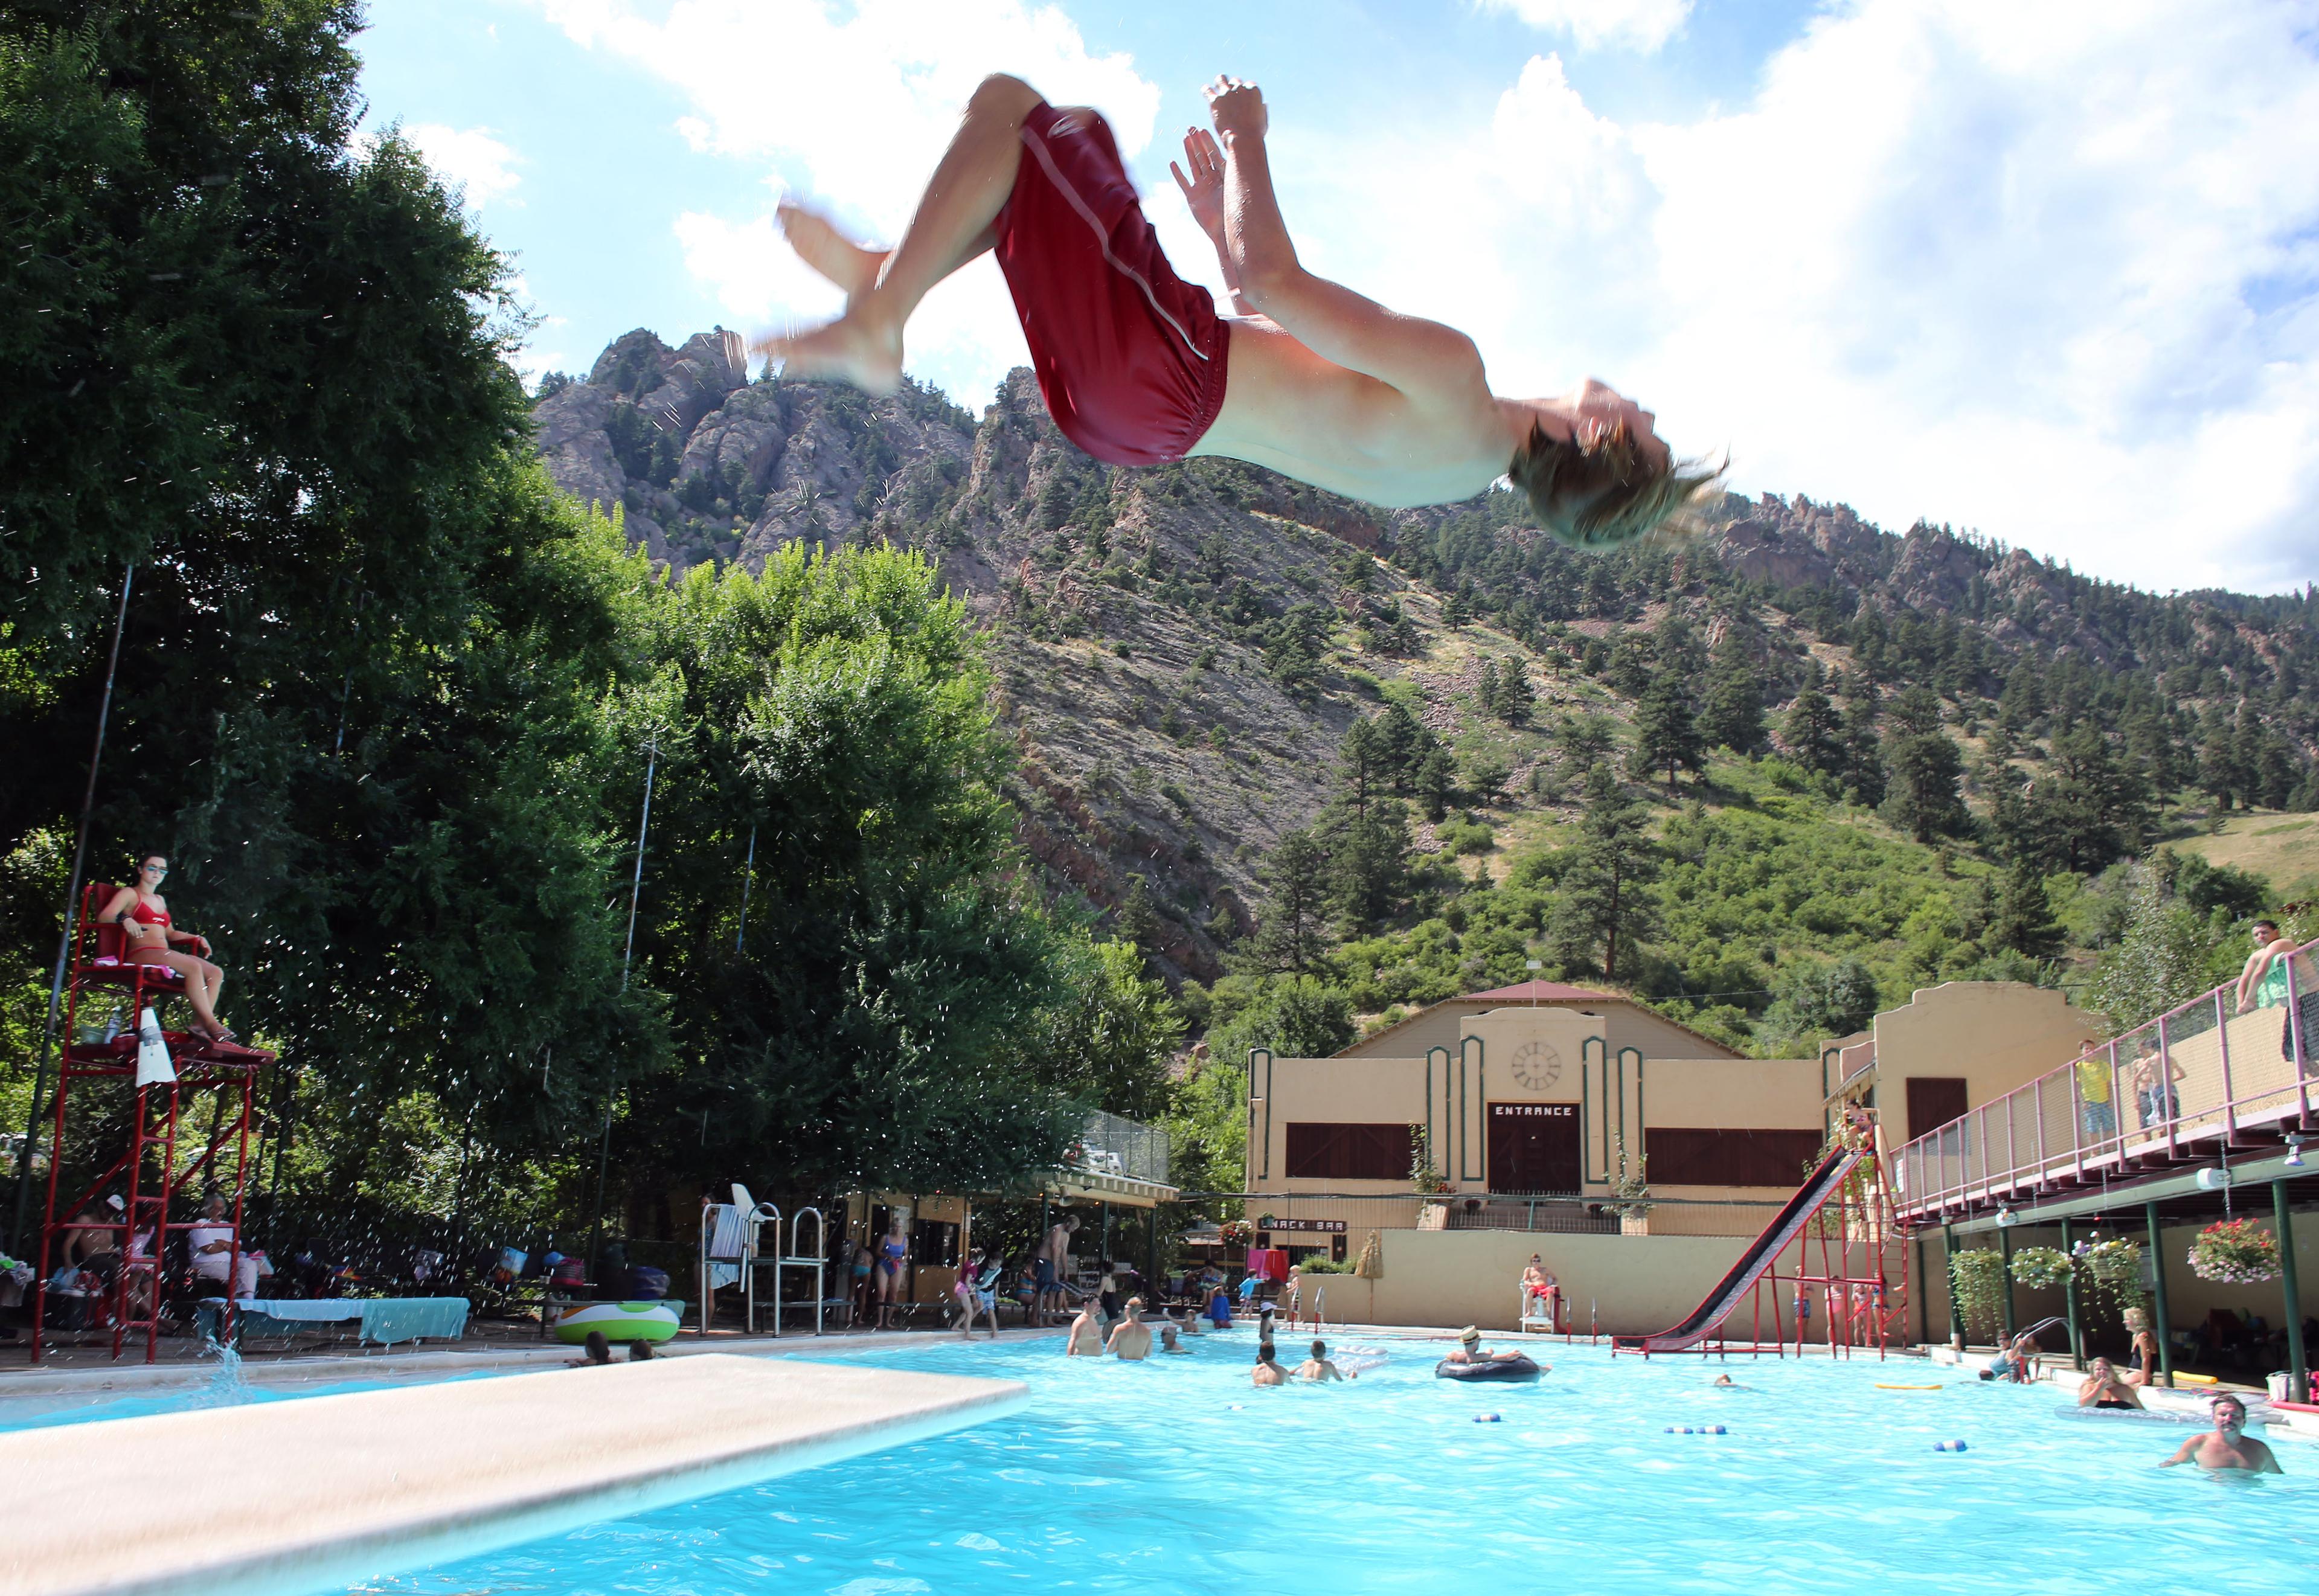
(1474, 1361)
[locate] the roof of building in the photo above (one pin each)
(1539, 992)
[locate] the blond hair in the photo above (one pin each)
(1600, 494)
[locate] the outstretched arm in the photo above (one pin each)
(1411, 354)
(1202, 179)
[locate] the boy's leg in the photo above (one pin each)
(951, 226)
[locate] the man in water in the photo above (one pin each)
(1309, 378)
(1267, 1370)
(1050, 1267)
(1170, 1344)
(1086, 1338)
(1317, 1367)
(2227, 1444)
(1471, 1350)
(1131, 1338)
(2103, 1389)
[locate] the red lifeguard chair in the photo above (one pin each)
(147, 1164)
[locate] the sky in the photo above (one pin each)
(2044, 269)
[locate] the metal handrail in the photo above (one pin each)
(1958, 1164)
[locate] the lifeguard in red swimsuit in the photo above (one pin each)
(143, 917)
(1136, 366)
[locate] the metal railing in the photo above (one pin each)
(1113, 1144)
(2195, 1077)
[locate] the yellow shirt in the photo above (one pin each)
(2093, 1079)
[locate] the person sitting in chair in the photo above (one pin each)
(149, 938)
(210, 1249)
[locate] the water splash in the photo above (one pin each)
(229, 1384)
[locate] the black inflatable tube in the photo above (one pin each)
(1517, 1367)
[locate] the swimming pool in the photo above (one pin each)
(1178, 1475)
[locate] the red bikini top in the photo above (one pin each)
(145, 913)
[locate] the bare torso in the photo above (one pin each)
(1286, 408)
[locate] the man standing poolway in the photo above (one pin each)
(1051, 1266)
(1131, 1338)
(1310, 378)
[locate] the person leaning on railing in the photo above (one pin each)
(2265, 983)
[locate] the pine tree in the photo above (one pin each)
(1809, 733)
(1733, 717)
(2023, 922)
(1922, 767)
(1864, 758)
(1368, 858)
(1666, 735)
(1516, 698)
(1457, 609)
(1359, 759)
(1606, 905)
(1486, 690)
(1436, 782)
(1290, 936)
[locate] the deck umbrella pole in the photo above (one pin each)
(2298, 1372)
(2069, 1296)
(1948, 1264)
(2158, 1297)
(2004, 1248)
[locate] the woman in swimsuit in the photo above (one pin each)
(2104, 1389)
(2145, 1348)
(144, 921)
(892, 1253)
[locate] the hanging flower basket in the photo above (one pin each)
(1978, 1278)
(2115, 1267)
(1236, 1232)
(2041, 1267)
(2235, 1252)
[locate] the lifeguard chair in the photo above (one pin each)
(732, 1240)
(105, 1058)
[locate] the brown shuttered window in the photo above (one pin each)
(1725, 1157)
(1348, 1152)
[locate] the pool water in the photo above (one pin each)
(1176, 1476)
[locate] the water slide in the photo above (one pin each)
(1702, 1321)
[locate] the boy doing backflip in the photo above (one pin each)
(1136, 366)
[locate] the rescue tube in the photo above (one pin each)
(619, 1321)
(1517, 1367)
(1881, 1386)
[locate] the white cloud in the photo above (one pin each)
(853, 105)
(469, 159)
(2052, 273)
(1634, 24)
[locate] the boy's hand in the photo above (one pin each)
(1204, 189)
(1237, 108)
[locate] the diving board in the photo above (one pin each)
(281, 1498)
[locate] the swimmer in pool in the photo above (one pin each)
(1317, 1368)
(1131, 1338)
(1086, 1337)
(2103, 1389)
(2227, 1446)
(1308, 377)
(1471, 1350)
(1170, 1344)
(1267, 1370)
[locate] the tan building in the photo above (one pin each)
(1525, 1104)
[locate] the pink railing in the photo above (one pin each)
(2193, 1077)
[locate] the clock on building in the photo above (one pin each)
(1536, 1065)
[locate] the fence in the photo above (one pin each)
(1310, 1218)
(2194, 1078)
(1114, 1145)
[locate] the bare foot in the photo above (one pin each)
(830, 252)
(850, 349)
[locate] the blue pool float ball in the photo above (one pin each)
(1485, 1418)
(1948, 1446)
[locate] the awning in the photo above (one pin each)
(1085, 1185)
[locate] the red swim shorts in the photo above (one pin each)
(1130, 358)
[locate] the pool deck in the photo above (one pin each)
(269, 1498)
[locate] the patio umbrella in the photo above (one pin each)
(1370, 1265)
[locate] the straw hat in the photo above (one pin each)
(1469, 1334)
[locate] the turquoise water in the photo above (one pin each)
(1175, 1475)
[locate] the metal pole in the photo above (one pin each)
(2298, 1372)
(2158, 1296)
(628, 958)
(748, 872)
(1924, 1300)
(72, 906)
(2004, 1248)
(1956, 1311)
(2069, 1296)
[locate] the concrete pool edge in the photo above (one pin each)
(396, 1491)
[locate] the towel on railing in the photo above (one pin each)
(728, 1242)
